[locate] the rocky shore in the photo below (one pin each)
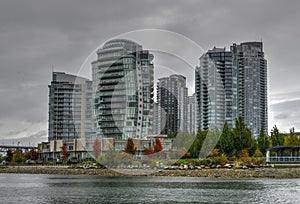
(209, 173)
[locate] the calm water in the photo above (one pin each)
(25, 188)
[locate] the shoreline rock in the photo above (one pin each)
(207, 173)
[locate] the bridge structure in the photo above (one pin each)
(4, 148)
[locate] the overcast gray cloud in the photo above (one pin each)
(36, 34)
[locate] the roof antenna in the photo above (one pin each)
(52, 69)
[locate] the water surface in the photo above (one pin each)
(26, 188)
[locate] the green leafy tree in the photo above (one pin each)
(111, 158)
(277, 138)
(130, 148)
(18, 156)
(258, 153)
(263, 142)
(292, 139)
(9, 155)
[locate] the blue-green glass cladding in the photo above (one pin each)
(123, 90)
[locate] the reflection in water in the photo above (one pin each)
(23, 188)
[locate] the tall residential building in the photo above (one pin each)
(70, 107)
(172, 104)
(123, 90)
(233, 83)
(252, 85)
(155, 120)
(192, 126)
(216, 89)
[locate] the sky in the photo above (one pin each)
(35, 34)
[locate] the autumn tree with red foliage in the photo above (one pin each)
(64, 153)
(33, 154)
(130, 148)
(158, 145)
(97, 148)
(148, 151)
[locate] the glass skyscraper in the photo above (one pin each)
(216, 89)
(252, 85)
(233, 83)
(70, 107)
(172, 104)
(192, 114)
(123, 90)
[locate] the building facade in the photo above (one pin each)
(192, 126)
(123, 90)
(252, 85)
(70, 107)
(172, 104)
(216, 89)
(232, 83)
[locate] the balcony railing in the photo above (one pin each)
(283, 159)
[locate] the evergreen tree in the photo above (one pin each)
(277, 138)
(263, 142)
(242, 137)
(197, 144)
(226, 143)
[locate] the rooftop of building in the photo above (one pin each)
(63, 77)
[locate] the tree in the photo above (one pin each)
(226, 143)
(9, 155)
(277, 138)
(263, 142)
(33, 154)
(158, 145)
(258, 153)
(242, 137)
(111, 158)
(197, 144)
(148, 151)
(244, 156)
(130, 148)
(97, 148)
(64, 153)
(210, 142)
(18, 156)
(292, 139)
